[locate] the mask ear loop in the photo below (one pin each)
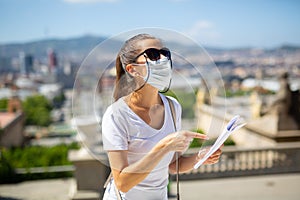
(148, 74)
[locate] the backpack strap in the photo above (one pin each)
(172, 112)
(109, 178)
(176, 153)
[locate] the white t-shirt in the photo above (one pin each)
(122, 129)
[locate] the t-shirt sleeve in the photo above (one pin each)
(113, 135)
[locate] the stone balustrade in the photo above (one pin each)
(237, 161)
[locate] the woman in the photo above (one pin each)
(138, 131)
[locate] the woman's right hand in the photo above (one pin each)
(180, 141)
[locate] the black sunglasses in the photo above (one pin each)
(154, 54)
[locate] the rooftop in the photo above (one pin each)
(6, 118)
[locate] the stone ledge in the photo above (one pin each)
(86, 195)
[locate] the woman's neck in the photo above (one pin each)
(145, 98)
(148, 105)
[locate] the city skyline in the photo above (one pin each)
(215, 23)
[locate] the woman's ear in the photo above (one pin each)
(131, 70)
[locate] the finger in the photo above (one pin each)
(181, 148)
(218, 152)
(214, 162)
(196, 135)
(201, 153)
(214, 157)
(211, 161)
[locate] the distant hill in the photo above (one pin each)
(289, 48)
(81, 46)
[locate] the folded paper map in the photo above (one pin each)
(234, 124)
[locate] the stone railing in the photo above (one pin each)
(90, 174)
(235, 161)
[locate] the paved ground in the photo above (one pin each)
(56, 189)
(275, 187)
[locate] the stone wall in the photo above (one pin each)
(212, 121)
(12, 134)
(90, 174)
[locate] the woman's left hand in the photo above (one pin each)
(213, 159)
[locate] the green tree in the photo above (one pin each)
(58, 100)
(3, 104)
(37, 110)
(187, 101)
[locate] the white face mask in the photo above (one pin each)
(160, 74)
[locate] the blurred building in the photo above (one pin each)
(50, 90)
(52, 61)
(5, 65)
(66, 74)
(12, 124)
(26, 63)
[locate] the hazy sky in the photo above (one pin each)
(220, 23)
